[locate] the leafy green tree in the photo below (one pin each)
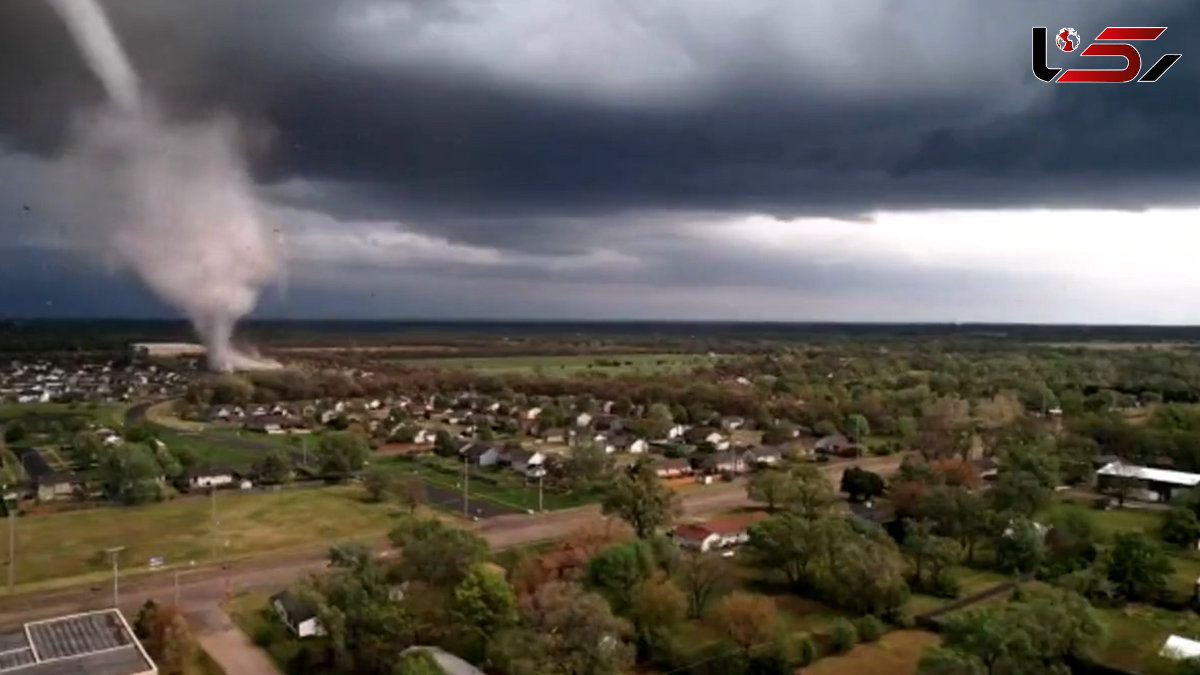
(85, 449)
(435, 553)
(1018, 493)
(483, 604)
(566, 631)
(15, 431)
(1180, 526)
(960, 514)
(842, 635)
(365, 626)
(771, 486)
(745, 619)
(793, 545)
(618, 570)
(379, 484)
(865, 574)
(931, 557)
(1021, 547)
(129, 474)
(589, 466)
(1137, 568)
(810, 494)
(656, 610)
(444, 445)
(861, 484)
(1071, 542)
(342, 454)
(275, 467)
(639, 498)
(417, 662)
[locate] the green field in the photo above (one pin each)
(107, 414)
(609, 364)
(970, 581)
(1136, 633)
(72, 543)
(499, 485)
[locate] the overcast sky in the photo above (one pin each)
(653, 159)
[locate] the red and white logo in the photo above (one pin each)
(1067, 39)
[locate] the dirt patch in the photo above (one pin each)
(896, 653)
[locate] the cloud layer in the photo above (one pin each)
(663, 158)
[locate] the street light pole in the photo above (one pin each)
(466, 484)
(114, 553)
(11, 507)
(190, 563)
(540, 477)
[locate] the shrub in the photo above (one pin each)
(842, 636)
(902, 619)
(869, 628)
(802, 650)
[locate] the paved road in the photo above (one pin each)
(228, 645)
(205, 588)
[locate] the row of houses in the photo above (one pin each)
(723, 462)
(43, 381)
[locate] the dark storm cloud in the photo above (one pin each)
(413, 114)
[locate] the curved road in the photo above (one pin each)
(204, 588)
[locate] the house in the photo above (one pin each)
(1179, 648)
(636, 445)
(732, 423)
(986, 467)
(1145, 483)
(482, 454)
(531, 464)
(672, 468)
(297, 614)
(583, 419)
(267, 424)
(717, 533)
(554, 435)
(47, 483)
(532, 413)
(764, 456)
(447, 662)
(210, 476)
(676, 431)
(836, 445)
(424, 436)
(724, 462)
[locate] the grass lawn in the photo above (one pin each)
(896, 653)
(802, 615)
(970, 581)
(1135, 634)
(609, 364)
(1111, 522)
(72, 543)
(501, 485)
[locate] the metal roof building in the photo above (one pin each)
(93, 643)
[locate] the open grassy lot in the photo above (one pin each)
(72, 543)
(610, 364)
(1136, 633)
(970, 580)
(107, 414)
(499, 485)
(896, 653)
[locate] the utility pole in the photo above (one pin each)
(190, 564)
(11, 507)
(466, 483)
(114, 553)
(540, 477)
(213, 493)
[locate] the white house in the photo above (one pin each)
(207, 477)
(297, 614)
(637, 446)
(717, 533)
(424, 436)
(583, 419)
(482, 454)
(532, 413)
(531, 464)
(718, 440)
(676, 431)
(762, 456)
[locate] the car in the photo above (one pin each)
(728, 554)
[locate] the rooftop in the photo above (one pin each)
(1121, 470)
(93, 643)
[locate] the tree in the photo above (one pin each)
(639, 498)
(1021, 547)
(1071, 542)
(792, 544)
(1018, 493)
(86, 449)
(567, 632)
(1137, 568)
(618, 570)
(1180, 526)
(959, 514)
(483, 604)
(931, 557)
(129, 474)
(702, 576)
(857, 427)
(342, 454)
(15, 432)
(435, 553)
(411, 492)
(444, 445)
(365, 626)
(165, 634)
(588, 466)
(746, 619)
(417, 662)
(656, 610)
(378, 483)
(275, 467)
(810, 493)
(861, 484)
(865, 574)
(770, 486)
